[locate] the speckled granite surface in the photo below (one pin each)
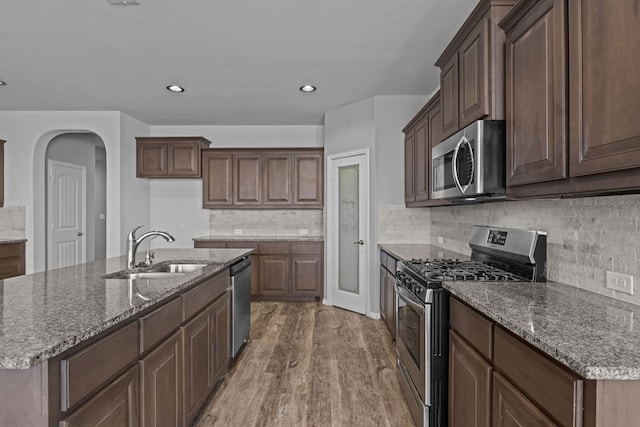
(596, 336)
(243, 238)
(44, 314)
(12, 241)
(407, 251)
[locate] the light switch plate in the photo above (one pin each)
(304, 231)
(237, 231)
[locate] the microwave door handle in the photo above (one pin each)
(473, 162)
(454, 163)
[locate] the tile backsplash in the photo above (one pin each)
(12, 222)
(586, 236)
(258, 223)
(397, 224)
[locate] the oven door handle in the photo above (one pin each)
(406, 297)
(454, 164)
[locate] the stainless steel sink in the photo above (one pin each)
(161, 271)
(176, 268)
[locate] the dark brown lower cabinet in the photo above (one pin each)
(387, 291)
(11, 259)
(469, 385)
(512, 408)
(161, 384)
(198, 349)
(221, 328)
(281, 270)
(116, 405)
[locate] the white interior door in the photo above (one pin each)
(348, 231)
(66, 203)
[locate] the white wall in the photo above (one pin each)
(176, 205)
(27, 134)
(375, 123)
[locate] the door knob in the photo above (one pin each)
(80, 233)
(359, 242)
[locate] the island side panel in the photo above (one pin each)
(24, 396)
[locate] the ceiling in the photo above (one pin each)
(240, 61)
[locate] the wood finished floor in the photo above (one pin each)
(308, 364)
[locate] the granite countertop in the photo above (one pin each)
(407, 251)
(244, 238)
(592, 334)
(46, 313)
(11, 240)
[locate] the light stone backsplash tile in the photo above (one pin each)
(13, 222)
(397, 224)
(586, 236)
(265, 223)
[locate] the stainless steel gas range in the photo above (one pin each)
(422, 309)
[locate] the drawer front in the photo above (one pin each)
(209, 244)
(8, 250)
(273, 248)
(383, 258)
(86, 370)
(552, 387)
(11, 259)
(473, 327)
(306, 248)
(203, 294)
(159, 323)
(391, 264)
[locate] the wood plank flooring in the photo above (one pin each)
(308, 364)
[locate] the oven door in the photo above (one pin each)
(413, 319)
(454, 167)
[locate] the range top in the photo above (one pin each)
(497, 255)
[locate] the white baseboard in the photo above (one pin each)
(374, 315)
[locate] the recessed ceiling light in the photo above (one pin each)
(124, 2)
(307, 88)
(175, 88)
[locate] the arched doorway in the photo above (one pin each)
(75, 199)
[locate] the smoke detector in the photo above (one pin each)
(124, 2)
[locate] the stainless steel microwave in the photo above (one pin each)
(470, 164)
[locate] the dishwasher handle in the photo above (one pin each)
(242, 264)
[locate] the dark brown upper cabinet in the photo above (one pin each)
(2, 173)
(169, 157)
(472, 69)
(263, 178)
(420, 135)
(536, 94)
(571, 127)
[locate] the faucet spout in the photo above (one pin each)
(133, 242)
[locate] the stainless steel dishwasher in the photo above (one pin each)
(240, 303)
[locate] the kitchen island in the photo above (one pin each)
(77, 347)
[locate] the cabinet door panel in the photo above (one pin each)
(469, 385)
(161, 384)
(474, 68)
(306, 275)
(383, 294)
(277, 179)
(197, 350)
(512, 408)
(422, 160)
(116, 405)
(151, 159)
(536, 96)
(409, 174)
(274, 275)
(221, 319)
(184, 159)
(248, 180)
(603, 40)
(308, 179)
(217, 179)
(390, 301)
(449, 97)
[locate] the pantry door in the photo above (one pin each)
(348, 239)
(66, 201)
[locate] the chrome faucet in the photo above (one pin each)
(133, 242)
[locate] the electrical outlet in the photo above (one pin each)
(304, 231)
(182, 224)
(440, 240)
(237, 231)
(620, 282)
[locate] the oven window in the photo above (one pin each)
(409, 330)
(443, 172)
